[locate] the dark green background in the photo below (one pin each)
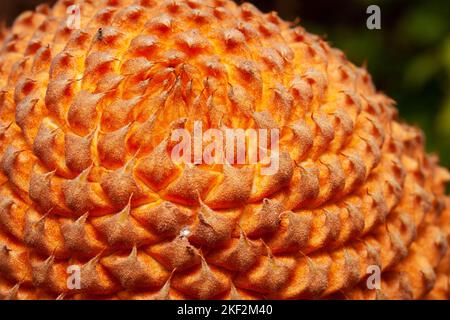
(409, 57)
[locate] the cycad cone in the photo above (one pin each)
(87, 179)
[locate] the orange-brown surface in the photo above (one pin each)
(87, 178)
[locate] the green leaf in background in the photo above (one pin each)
(425, 24)
(446, 54)
(420, 70)
(443, 120)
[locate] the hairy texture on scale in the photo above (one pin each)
(87, 178)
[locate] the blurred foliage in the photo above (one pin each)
(409, 58)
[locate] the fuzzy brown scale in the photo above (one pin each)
(87, 177)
